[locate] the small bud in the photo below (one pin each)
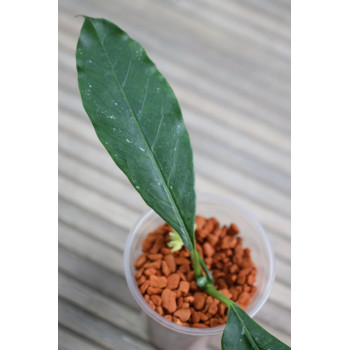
(175, 242)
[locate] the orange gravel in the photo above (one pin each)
(167, 282)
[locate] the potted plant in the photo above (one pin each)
(137, 118)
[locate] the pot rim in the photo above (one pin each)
(169, 324)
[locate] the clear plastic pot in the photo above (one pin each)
(167, 335)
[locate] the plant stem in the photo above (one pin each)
(206, 283)
(195, 257)
(216, 294)
(206, 270)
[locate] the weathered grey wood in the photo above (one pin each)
(244, 55)
(254, 168)
(280, 293)
(99, 331)
(244, 99)
(108, 202)
(276, 317)
(108, 186)
(88, 199)
(92, 224)
(241, 85)
(68, 340)
(112, 259)
(198, 102)
(87, 247)
(283, 271)
(266, 142)
(116, 190)
(107, 309)
(268, 196)
(250, 17)
(100, 279)
(270, 220)
(102, 180)
(110, 285)
(267, 215)
(229, 65)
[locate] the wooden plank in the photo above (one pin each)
(101, 332)
(106, 309)
(89, 248)
(93, 201)
(95, 226)
(233, 140)
(67, 340)
(233, 24)
(83, 245)
(267, 218)
(115, 313)
(101, 230)
(272, 8)
(113, 286)
(274, 316)
(111, 187)
(281, 295)
(97, 277)
(215, 147)
(214, 102)
(240, 88)
(252, 17)
(124, 190)
(274, 157)
(198, 30)
(283, 271)
(92, 224)
(69, 190)
(226, 177)
(230, 143)
(80, 149)
(261, 193)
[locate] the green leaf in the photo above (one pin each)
(137, 118)
(243, 333)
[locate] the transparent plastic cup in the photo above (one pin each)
(167, 335)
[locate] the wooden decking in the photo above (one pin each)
(229, 65)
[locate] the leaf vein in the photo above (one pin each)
(144, 99)
(174, 162)
(159, 127)
(126, 75)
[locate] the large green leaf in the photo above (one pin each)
(243, 333)
(138, 120)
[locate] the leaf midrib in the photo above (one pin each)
(249, 335)
(168, 192)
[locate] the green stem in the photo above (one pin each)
(206, 270)
(216, 294)
(195, 257)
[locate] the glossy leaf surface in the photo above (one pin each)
(243, 333)
(137, 118)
